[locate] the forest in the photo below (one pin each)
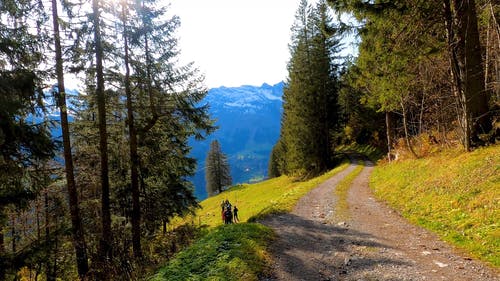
(427, 75)
(95, 204)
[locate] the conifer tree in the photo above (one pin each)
(310, 96)
(217, 171)
(60, 92)
(25, 142)
(418, 58)
(152, 110)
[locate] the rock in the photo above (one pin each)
(342, 224)
(440, 264)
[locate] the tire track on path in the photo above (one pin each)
(374, 244)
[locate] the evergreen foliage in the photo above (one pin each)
(431, 71)
(25, 141)
(408, 68)
(217, 171)
(310, 97)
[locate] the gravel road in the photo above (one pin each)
(372, 243)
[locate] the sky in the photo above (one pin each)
(236, 42)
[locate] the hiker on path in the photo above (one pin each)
(228, 216)
(223, 207)
(235, 214)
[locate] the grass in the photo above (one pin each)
(454, 194)
(228, 252)
(342, 191)
(277, 195)
(371, 152)
(237, 251)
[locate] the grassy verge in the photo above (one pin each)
(277, 195)
(454, 194)
(237, 251)
(342, 191)
(228, 252)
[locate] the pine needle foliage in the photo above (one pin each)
(310, 95)
(217, 171)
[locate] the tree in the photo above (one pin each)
(217, 172)
(152, 109)
(25, 143)
(60, 93)
(107, 236)
(310, 95)
(467, 69)
(421, 65)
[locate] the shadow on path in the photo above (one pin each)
(312, 250)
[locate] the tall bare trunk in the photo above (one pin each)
(3, 265)
(476, 93)
(76, 222)
(105, 249)
(134, 157)
(467, 70)
(407, 134)
(388, 130)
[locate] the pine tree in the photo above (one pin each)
(25, 143)
(217, 171)
(416, 59)
(60, 92)
(152, 111)
(310, 96)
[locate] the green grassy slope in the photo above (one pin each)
(237, 251)
(454, 194)
(227, 252)
(254, 200)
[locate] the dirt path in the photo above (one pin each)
(375, 243)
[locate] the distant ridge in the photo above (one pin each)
(248, 118)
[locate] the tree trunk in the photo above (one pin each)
(388, 130)
(471, 62)
(49, 273)
(105, 249)
(467, 69)
(76, 222)
(407, 135)
(134, 157)
(13, 233)
(3, 264)
(456, 77)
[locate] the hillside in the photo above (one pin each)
(248, 118)
(454, 194)
(467, 198)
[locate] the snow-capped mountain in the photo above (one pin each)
(248, 118)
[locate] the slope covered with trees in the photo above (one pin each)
(126, 153)
(426, 76)
(428, 67)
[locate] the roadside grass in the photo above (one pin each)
(342, 191)
(277, 195)
(227, 252)
(236, 251)
(453, 193)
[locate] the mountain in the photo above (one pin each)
(248, 118)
